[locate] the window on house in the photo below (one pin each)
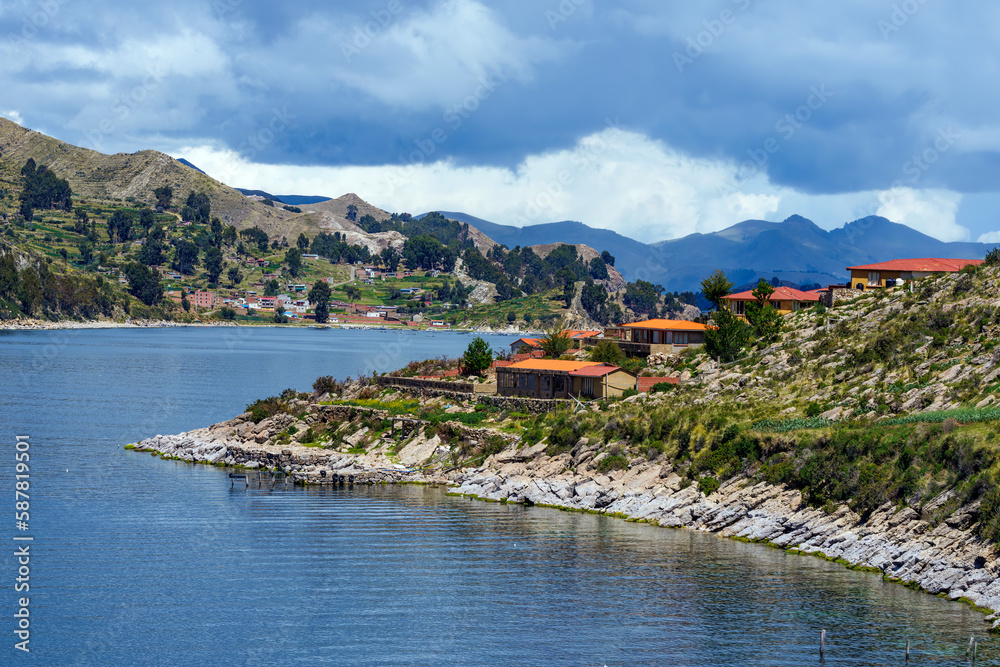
(680, 338)
(873, 279)
(739, 307)
(588, 386)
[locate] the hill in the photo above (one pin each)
(126, 177)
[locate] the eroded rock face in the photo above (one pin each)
(946, 558)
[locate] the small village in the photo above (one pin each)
(573, 364)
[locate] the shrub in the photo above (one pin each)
(661, 386)
(629, 392)
(814, 409)
(612, 462)
(264, 408)
(607, 352)
(227, 313)
(708, 485)
(325, 385)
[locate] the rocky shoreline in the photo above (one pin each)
(945, 559)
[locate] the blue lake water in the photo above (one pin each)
(139, 561)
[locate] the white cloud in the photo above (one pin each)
(614, 179)
(13, 115)
(929, 211)
(426, 58)
(989, 237)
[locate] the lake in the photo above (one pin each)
(140, 561)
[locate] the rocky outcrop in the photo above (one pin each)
(943, 559)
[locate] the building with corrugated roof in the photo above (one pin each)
(550, 378)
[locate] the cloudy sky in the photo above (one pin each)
(655, 118)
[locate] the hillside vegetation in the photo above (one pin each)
(889, 400)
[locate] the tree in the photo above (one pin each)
(389, 258)
(227, 313)
(303, 241)
(319, 296)
(271, 287)
(213, 264)
(80, 223)
(229, 235)
(642, 296)
(143, 283)
(715, 287)
(293, 257)
(352, 212)
(185, 304)
(762, 316)
(29, 290)
(120, 227)
(353, 293)
(164, 195)
(608, 258)
(86, 253)
(598, 269)
(608, 352)
(594, 298)
(216, 232)
(197, 208)
(151, 253)
(477, 358)
(555, 342)
(279, 315)
(8, 276)
(727, 338)
(234, 276)
(146, 219)
(185, 256)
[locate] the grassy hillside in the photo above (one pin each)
(890, 400)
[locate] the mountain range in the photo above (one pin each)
(795, 250)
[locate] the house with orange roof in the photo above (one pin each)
(784, 299)
(548, 378)
(578, 338)
(662, 336)
(897, 272)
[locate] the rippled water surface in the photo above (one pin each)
(141, 561)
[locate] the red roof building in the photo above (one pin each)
(784, 299)
(548, 378)
(897, 272)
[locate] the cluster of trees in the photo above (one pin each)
(521, 270)
(730, 334)
(426, 252)
(42, 189)
(197, 208)
(594, 299)
(37, 291)
(447, 232)
(257, 236)
(336, 249)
